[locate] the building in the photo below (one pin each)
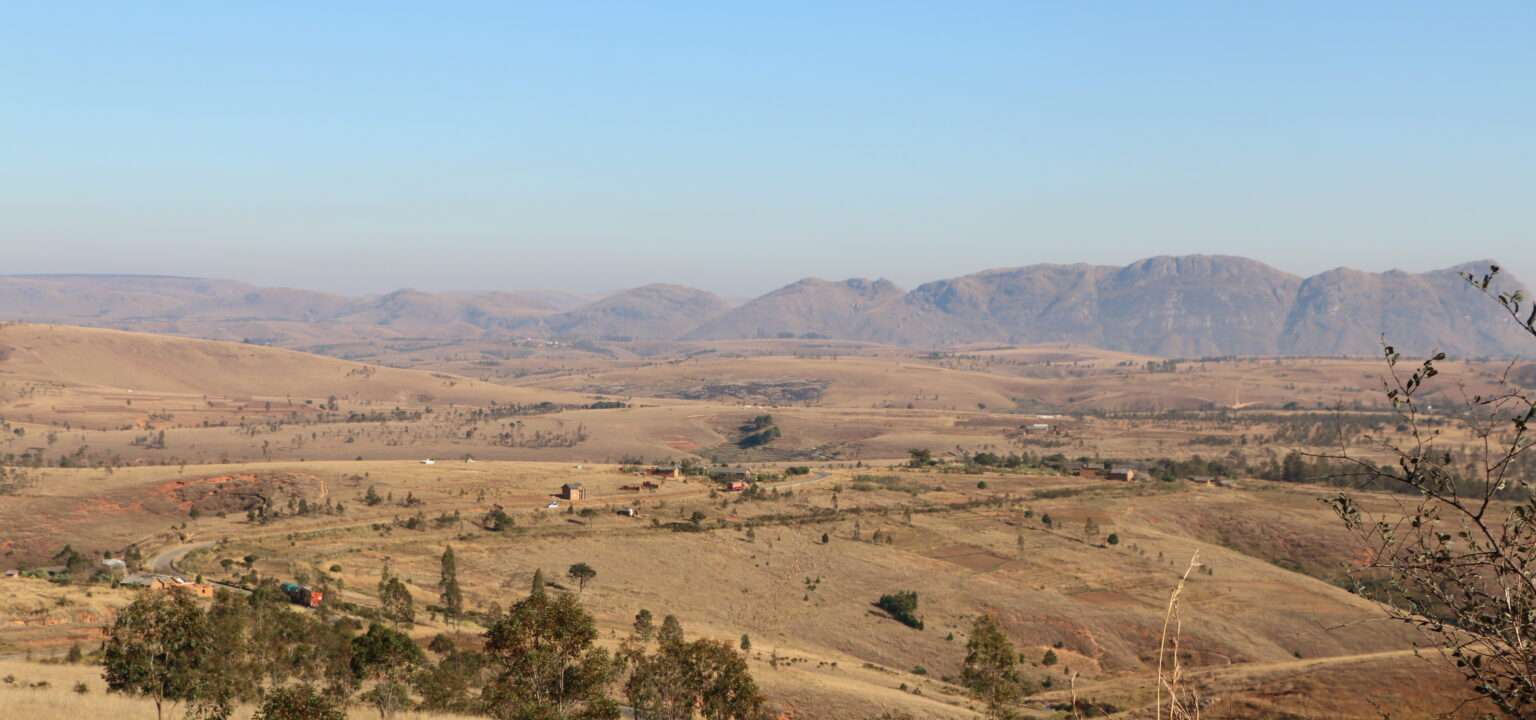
(673, 472)
(571, 491)
(1121, 473)
(166, 583)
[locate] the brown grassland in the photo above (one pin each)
(163, 442)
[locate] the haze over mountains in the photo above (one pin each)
(1171, 306)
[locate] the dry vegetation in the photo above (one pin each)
(171, 444)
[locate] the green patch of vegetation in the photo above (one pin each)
(757, 432)
(902, 606)
(894, 483)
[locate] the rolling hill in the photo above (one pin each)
(92, 377)
(1187, 306)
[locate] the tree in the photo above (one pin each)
(133, 558)
(388, 658)
(1050, 658)
(703, 675)
(395, 599)
(671, 631)
(547, 666)
(261, 644)
(920, 458)
(725, 688)
(537, 587)
(158, 647)
(1455, 564)
(581, 573)
(77, 566)
(448, 580)
(301, 702)
(658, 689)
(991, 668)
(450, 685)
(644, 626)
(746, 643)
(1090, 530)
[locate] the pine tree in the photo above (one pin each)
(538, 584)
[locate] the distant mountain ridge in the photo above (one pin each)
(1186, 306)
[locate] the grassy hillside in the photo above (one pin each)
(820, 648)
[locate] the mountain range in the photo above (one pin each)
(1187, 306)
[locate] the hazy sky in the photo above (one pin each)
(361, 147)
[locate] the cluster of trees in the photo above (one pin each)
(538, 660)
(512, 435)
(757, 432)
(1460, 468)
(1011, 461)
(263, 510)
(680, 678)
(902, 606)
(498, 411)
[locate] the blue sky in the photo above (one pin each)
(361, 147)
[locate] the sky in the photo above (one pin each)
(587, 146)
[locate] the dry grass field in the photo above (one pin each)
(133, 439)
